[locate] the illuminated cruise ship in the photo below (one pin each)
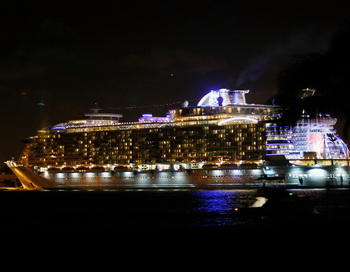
(222, 141)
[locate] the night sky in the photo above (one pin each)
(59, 58)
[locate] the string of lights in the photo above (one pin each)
(151, 106)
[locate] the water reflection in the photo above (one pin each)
(216, 206)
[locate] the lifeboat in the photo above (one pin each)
(54, 170)
(97, 169)
(249, 166)
(210, 166)
(228, 166)
(68, 169)
(120, 168)
(82, 169)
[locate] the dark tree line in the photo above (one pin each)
(328, 73)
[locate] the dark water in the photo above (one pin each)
(147, 211)
(165, 223)
(133, 211)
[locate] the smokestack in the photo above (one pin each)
(238, 97)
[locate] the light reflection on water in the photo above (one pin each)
(223, 201)
(217, 206)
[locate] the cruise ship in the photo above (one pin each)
(223, 141)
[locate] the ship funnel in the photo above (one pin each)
(237, 97)
(223, 97)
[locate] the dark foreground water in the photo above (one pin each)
(177, 224)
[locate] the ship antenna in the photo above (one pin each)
(95, 109)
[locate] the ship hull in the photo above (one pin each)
(195, 178)
(287, 176)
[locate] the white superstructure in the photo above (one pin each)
(316, 138)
